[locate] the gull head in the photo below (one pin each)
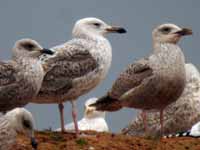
(29, 48)
(22, 121)
(87, 27)
(90, 112)
(169, 33)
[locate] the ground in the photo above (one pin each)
(104, 141)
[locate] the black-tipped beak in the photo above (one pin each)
(115, 29)
(184, 32)
(47, 51)
(34, 143)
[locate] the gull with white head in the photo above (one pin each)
(92, 119)
(154, 82)
(21, 77)
(18, 120)
(78, 65)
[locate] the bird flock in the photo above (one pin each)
(72, 69)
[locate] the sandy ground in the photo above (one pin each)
(104, 141)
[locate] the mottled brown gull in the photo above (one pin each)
(78, 66)
(18, 120)
(21, 77)
(178, 116)
(154, 82)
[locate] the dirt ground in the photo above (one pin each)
(104, 141)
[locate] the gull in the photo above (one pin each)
(18, 120)
(178, 116)
(154, 82)
(92, 119)
(78, 65)
(21, 77)
(193, 132)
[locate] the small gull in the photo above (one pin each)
(78, 65)
(21, 77)
(18, 120)
(154, 82)
(178, 116)
(92, 120)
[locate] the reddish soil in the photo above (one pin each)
(104, 141)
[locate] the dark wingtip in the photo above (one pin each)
(106, 103)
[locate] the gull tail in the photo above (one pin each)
(179, 134)
(106, 103)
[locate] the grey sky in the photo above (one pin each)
(50, 23)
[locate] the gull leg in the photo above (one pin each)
(74, 116)
(161, 122)
(144, 119)
(61, 110)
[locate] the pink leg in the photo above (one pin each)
(61, 109)
(144, 119)
(161, 122)
(74, 116)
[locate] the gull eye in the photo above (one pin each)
(97, 24)
(28, 46)
(27, 124)
(166, 30)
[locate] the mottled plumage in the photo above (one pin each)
(180, 115)
(151, 78)
(78, 65)
(18, 120)
(154, 82)
(21, 77)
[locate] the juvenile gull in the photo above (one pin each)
(178, 116)
(21, 77)
(18, 120)
(78, 66)
(154, 82)
(92, 120)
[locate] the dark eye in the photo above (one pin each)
(28, 46)
(97, 24)
(166, 30)
(27, 124)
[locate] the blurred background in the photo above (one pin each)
(50, 22)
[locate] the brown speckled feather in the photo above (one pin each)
(178, 116)
(145, 84)
(69, 65)
(7, 134)
(18, 83)
(7, 73)
(131, 78)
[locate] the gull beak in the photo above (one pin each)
(184, 32)
(34, 143)
(47, 51)
(115, 29)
